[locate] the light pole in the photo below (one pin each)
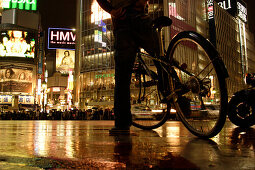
(44, 87)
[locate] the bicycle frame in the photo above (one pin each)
(164, 63)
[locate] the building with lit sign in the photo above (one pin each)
(17, 67)
(95, 62)
(18, 55)
(57, 92)
(60, 84)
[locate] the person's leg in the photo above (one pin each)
(148, 39)
(125, 53)
(145, 35)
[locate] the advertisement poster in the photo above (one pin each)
(17, 44)
(15, 80)
(65, 60)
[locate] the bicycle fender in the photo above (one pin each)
(246, 93)
(208, 47)
(212, 51)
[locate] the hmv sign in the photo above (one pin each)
(61, 38)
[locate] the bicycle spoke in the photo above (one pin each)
(204, 69)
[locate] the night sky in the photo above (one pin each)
(57, 13)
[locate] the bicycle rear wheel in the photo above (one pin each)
(201, 102)
(147, 110)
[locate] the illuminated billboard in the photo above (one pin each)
(15, 79)
(26, 99)
(61, 38)
(5, 99)
(65, 60)
(15, 43)
(30, 5)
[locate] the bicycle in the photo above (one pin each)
(241, 106)
(188, 77)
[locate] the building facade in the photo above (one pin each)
(18, 55)
(95, 69)
(234, 42)
(18, 67)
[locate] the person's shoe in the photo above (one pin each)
(119, 130)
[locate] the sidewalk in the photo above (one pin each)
(88, 145)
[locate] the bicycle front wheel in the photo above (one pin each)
(201, 94)
(148, 112)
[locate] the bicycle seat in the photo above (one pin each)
(162, 21)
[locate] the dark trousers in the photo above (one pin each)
(130, 34)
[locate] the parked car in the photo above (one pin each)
(142, 112)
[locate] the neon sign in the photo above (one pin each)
(242, 11)
(210, 9)
(61, 38)
(20, 4)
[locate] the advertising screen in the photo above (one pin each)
(15, 80)
(61, 38)
(17, 44)
(65, 60)
(20, 4)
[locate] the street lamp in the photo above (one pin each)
(44, 87)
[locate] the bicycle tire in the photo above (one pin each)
(147, 111)
(242, 109)
(196, 106)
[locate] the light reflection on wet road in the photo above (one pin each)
(87, 144)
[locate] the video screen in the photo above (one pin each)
(17, 44)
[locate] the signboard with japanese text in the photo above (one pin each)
(5, 99)
(26, 99)
(30, 5)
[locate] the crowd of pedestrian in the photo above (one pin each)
(90, 114)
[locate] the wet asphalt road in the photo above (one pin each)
(88, 145)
